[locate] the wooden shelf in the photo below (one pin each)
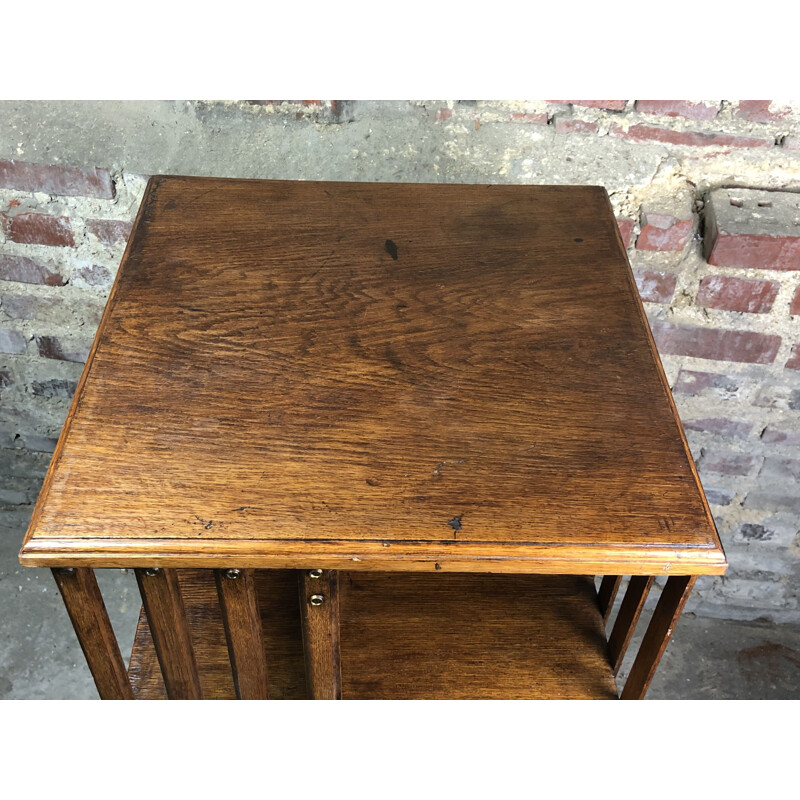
(411, 636)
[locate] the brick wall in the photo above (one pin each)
(706, 195)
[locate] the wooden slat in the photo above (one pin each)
(321, 632)
(609, 587)
(670, 605)
(87, 612)
(163, 605)
(243, 632)
(628, 616)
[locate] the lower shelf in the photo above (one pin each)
(412, 636)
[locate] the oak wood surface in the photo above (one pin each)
(87, 612)
(374, 376)
(628, 616)
(413, 636)
(607, 593)
(321, 635)
(243, 632)
(166, 616)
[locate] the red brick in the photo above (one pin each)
(721, 426)
(758, 111)
(794, 359)
(442, 114)
(655, 287)
(33, 228)
(727, 463)
(26, 270)
(93, 275)
(755, 251)
(85, 182)
(794, 307)
(650, 133)
(776, 436)
(26, 306)
(737, 294)
(608, 105)
(689, 109)
(625, 230)
(575, 126)
(51, 347)
(663, 232)
(791, 142)
(535, 119)
(694, 382)
(747, 347)
(110, 231)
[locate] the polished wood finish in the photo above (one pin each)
(667, 612)
(319, 611)
(243, 632)
(629, 612)
(382, 377)
(168, 625)
(86, 610)
(607, 593)
(412, 636)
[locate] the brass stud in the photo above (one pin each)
(232, 574)
(67, 571)
(151, 571)
(316, 599)
(315, 573)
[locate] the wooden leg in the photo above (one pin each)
(243, 631)
(629, 611)
(609, 587)
(659, 631)
(87, 611)
(169, 628)
(319, 608)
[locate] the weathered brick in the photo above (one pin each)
(781, 397)
(759, 111)
(773, 502)
(727, 463)
(651, 133)
(110, 231)
(566, 125)
(737, 294)
(12, 497)
(655, 287)
(26, 270)
(755, 532)
(663, 232)
(794, 358)
(5, 379)
(54, 387)
(443, 114)
(37, 443)
(26, 306)
(749, 228)
(694, 382)
(625, 226)
(773, 435)
(93, 275)
(690, 109)
(52, 347)
(794, 306)
(12, 342)
(608, 105)
(82, 181)
(719, 497)
(729, 428)
(747, 347)
(533, 119)
(32, 228)
(785, 468)
(790, 143)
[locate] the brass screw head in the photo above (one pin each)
(315, 573)
(151, 571)
(316, 599)
(232, 574)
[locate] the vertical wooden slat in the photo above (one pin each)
(670, 605)
(86, 610)
(243, 631)
(628, 616)
(321, 632)
(609, 587)
(169, 628)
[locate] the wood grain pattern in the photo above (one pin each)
(629, 612)
(607, 593)
(413, 636)
(667, 612)
(87, 611)
(243, 632)
(321, 640)
(383, 376)
(169, 627)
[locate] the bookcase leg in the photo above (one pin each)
(609, 587)
(628, 616)
(319, 609)
(670, 605)
(166, 617)
(243, 631)
(86, 610)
